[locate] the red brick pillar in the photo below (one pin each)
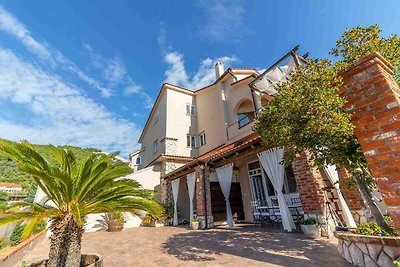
(373, 102)
(352, 196)
(203, 196)
(309, 184)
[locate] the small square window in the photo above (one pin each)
(191, 141)
(190, 110)
(155, 146)
(202, 139)
(156, 118)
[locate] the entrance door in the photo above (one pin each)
(218, 202)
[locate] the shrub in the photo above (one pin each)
(16, 234)
(2, 243)
(309, 221)
(374, 229)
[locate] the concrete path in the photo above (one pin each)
(176, 246)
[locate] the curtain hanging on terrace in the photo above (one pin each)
(334, 178)
(175, 191)
(224, 175)
(270, 160)
(191, 183)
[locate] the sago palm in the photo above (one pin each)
(75, 190)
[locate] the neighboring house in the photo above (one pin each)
(10, 187)
(197, 131)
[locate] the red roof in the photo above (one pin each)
(10, 185)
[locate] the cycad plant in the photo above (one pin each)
(74, 191)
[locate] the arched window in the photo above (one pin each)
(245, 113)
(138, 161)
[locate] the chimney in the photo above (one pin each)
(219, 69)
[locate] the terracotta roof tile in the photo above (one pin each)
(10, 185)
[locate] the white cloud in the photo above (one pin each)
(11, 25)
(224, 20)
(59, 113)
(114, 72)
(205, 74)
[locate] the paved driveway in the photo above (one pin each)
(176, 246)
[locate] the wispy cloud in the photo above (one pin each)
(224, 20)
(205, 74)
(12, 26)
(115, 74)
(176, 72)
(60, 113)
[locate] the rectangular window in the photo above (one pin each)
(191, 141)
(202, 139)
(190, 110)
(155, 146)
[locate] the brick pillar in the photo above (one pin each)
(309, 184)
(373, 102)
(352, 196)
(203, 195)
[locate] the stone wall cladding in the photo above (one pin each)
(368, 250)
(373, 102)
(309, 184)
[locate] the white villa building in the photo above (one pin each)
(192, 136)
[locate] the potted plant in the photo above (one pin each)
(195, 223)
(310, 227)
(116, 222)
(76, 190)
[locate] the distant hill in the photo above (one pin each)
(9, 171)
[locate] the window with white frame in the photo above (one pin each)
(155, 146)
(190, 110)
(202, 139)
(191, 140)
(138, 160)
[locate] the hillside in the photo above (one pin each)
(9, 171)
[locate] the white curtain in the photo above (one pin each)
(334, 178)
(175, 191)
(271, 162)
(224, 175)
(191, 183)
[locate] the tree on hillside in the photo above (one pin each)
(93, 186)
(308, 113)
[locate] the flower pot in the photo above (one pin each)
(195, 225)
(91, 260)
(115, 226)
(158, 224)
(310, 230)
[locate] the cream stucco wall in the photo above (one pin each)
(148, 177)
(178, 123)
(154, 131)
(211, 118)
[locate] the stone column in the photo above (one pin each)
(373, 102)
(203, 196)
(309, 184)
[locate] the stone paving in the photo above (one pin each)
(245, 245)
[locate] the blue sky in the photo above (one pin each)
(86, 73)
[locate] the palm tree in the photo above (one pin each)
(75, 190)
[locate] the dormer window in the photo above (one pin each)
(190, 110)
